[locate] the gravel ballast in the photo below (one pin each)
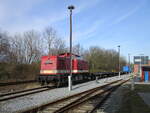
(30, 101)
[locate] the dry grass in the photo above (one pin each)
(18, 72)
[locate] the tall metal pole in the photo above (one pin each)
(129, 62)
(70, 76)
(119, 60)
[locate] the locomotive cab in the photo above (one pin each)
(48, 65)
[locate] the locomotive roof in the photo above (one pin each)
(62, 55)
(68, 54)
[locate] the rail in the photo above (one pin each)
(71, 102)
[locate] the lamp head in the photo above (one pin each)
(71, 7)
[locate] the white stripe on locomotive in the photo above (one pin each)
(61, 71)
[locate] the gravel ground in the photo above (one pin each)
(30, 101)
(113, 103)
(145, 97)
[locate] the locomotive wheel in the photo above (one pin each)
(42, 83)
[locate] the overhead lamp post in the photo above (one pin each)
(119, 60)
(71, 7)
(129, 62)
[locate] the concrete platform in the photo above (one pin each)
(148, 83)
(22, 103)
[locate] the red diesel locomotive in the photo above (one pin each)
(57, 68)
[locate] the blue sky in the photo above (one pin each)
(104, 23)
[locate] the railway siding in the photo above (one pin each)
(28, 102)
(16, 83)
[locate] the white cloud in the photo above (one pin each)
(89, 32)
(15, 13)
(86, 4)
(128, 14)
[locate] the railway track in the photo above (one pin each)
(83, 102)
(16, 83)
(16, 94)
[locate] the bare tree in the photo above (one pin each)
(17, 49)
(49, 36)
(103, 60)
(59, 46)
(26, 48)
(78, 49)
(54, 44)
(32, 46)
(4, 46)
